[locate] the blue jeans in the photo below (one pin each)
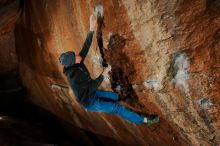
(106, 101)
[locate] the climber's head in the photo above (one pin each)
(69, 58)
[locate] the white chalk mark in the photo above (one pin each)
(99, 11)
(181, 68)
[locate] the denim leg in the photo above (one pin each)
(107, 94)
(112, 107)
(128, 114)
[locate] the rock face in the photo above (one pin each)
(8, 57)
(164, 54)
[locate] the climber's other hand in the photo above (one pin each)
(106, 70)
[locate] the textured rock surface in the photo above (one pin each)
(181, 49)
(8, 15)
(168, 51)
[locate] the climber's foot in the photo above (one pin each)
(151, 119)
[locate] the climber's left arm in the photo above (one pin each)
(88, 41)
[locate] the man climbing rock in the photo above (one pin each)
(86, 89)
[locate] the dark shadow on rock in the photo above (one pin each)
(31, 40)
(35, 56)
(122, 70)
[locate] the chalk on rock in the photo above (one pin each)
(152, 84)
(180, 69)
(96, 60)
(204, 103)
(99, 11)
(118, 88)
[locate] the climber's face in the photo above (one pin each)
(78, 59)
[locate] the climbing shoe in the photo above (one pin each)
(151, 119)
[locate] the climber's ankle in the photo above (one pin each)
(145, 119)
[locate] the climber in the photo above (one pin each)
(86, 89)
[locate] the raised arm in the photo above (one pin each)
(86, 45)
(88, 41)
